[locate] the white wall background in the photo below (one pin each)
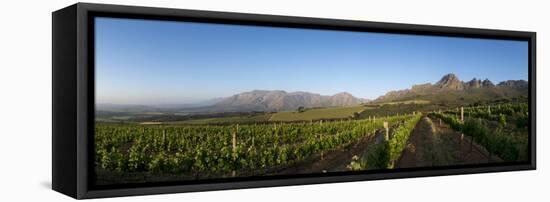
(25, 103)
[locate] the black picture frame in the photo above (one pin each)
(73, 98)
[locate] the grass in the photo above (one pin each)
(420, 102)
(317, 114)
(223, 120)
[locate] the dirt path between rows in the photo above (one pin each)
(333, 161)
(433, 143)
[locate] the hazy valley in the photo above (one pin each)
(279, 105)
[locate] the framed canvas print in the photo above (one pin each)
(155, 100)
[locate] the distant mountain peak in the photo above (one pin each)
(450, 81)
(474, 83)
(487, 83)
(256, 91)
(449, 76)
(518, 84)
(450, 85)
(343, 94)
(278, 100)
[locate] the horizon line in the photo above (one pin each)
(287, 91)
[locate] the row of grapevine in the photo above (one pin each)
(385, 154)
(222, 150)
(502, 113)
(509, 147)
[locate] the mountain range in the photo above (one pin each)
(451, 89)
(278, 100)
(447, 91)
(256, 100)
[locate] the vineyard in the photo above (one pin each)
(384, 154)
(203, 151)
(501, 129)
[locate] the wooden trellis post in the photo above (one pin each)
(440, 124)
(462, 114)
(234, 147)
(386, 128)
(164, 138)
(234, 142)
(322, 153)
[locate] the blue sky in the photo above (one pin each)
(163, 62)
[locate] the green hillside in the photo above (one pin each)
(318, 113)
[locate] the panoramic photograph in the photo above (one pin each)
(184, 101)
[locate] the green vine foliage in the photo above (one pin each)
(385, 154)
(200, 149)
(507, 144)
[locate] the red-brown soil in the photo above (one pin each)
(433, 143)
